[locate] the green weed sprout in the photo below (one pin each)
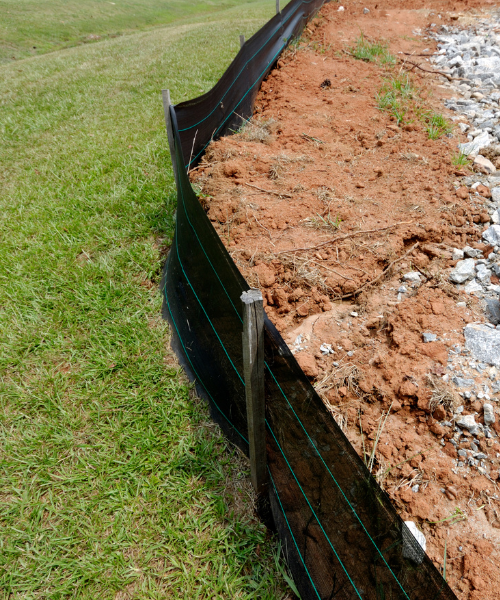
(371, 52)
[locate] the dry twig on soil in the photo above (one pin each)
(405, 62)
(373, 281)
(279, 194)
(344, 237)
(347, 375)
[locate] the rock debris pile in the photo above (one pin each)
(472, 59)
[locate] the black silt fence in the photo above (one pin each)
(341, 535)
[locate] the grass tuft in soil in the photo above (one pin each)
(372, 51)
(460, 160)
(403, 100)
(436, 125)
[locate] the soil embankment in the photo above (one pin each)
(345, 200)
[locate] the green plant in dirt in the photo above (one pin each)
(436, 124)
(457, 516)
(459, 159)
(402, 85)
(319, 222)
(398, 96)
(371, 51)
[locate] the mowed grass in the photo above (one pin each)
(114, 482)
(28, 28)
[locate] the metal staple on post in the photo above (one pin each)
(253, 367)
(165, 94)
(242, 40)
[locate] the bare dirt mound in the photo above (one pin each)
(345, 206)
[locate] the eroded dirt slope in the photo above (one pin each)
(347, 220)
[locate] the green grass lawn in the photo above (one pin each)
(30, 28)
(114, 483)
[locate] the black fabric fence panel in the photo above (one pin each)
(341, 535)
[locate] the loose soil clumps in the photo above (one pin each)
(347, 218)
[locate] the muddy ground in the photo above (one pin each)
(326, 202)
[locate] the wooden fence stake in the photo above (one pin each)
(165, 94)
(277, 7)
(242, 40)
(253, 368)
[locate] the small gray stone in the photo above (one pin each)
(487, 65)
(488, 413)
(457, 254)
(473, 287)
(456, 61)
(472, 148)
(402, 290)
(488, 126)
(492, 235)
(484, 164)
(412, 277)
(493, 310)
(496, 269)
(464, 270)
(483, 275)
(472, 252)
(495, 195)
(415, 488)
(483, 342)
(462, 382)
(462, 452)
(366, 11)
(429, 337)
(467, 422)
(480, 456)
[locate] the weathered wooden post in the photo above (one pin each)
(277, 7)
(242, 40)
(253, 367)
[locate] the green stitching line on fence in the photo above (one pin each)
(194, 369)
(286, 398)
(232, 112)
(291, 533)
(315, 516)
(338, 486)
(281, 24)
(203, 309)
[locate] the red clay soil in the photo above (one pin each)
(324, 203)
